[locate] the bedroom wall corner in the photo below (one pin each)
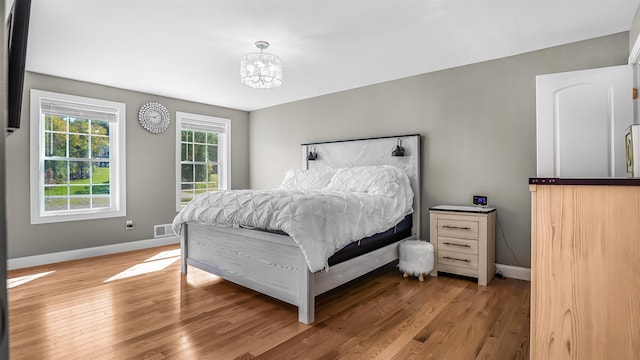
(150, 169)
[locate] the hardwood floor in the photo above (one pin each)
(137, 305)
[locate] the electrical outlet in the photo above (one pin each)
(128, 225)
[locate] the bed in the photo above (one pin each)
(296, 259)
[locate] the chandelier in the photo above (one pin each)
(261, 70)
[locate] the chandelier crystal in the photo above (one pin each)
(261, 70)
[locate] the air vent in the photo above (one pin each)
(163, 230)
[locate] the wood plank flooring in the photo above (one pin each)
(137, 305)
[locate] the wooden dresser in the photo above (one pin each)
(585, 269)
(463, 239)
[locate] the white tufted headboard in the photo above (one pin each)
(371, 151)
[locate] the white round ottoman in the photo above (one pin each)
(416, 258)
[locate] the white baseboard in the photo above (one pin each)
(514, 272)
(36, 260)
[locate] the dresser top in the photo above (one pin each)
(585, 181)
(460, 208)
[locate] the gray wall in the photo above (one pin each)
(477, 123)
(150, 172)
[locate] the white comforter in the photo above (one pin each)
(319, 221)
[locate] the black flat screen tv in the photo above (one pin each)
(18, 33)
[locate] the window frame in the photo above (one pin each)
(117, 159)
(224, 150)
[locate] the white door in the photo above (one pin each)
(581, 121)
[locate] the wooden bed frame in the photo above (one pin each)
(273, 264)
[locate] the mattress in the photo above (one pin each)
(363, 246)
(374, 242)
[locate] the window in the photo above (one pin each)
(77, 158)
(202, 155)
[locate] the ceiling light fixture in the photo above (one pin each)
(261, 70)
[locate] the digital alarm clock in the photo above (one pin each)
(480, 200)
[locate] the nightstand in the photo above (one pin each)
(463, 238)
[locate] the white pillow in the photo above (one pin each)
(375, 180)
(296, 179)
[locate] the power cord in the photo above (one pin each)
(507, 243)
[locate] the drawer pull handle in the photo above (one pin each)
(456, 259)
(456, 227)
(461, 245)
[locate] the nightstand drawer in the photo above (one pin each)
(457, 259)
(456, 228)
(458, 245)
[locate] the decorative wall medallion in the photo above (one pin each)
(154, 117)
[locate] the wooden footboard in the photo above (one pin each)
(268, 263)
(271, 264)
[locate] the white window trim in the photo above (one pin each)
(117, 153)
(224, 151)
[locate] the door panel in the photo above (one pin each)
(581, 120)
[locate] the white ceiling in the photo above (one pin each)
(191, 49)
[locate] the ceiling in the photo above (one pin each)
(191, 49)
